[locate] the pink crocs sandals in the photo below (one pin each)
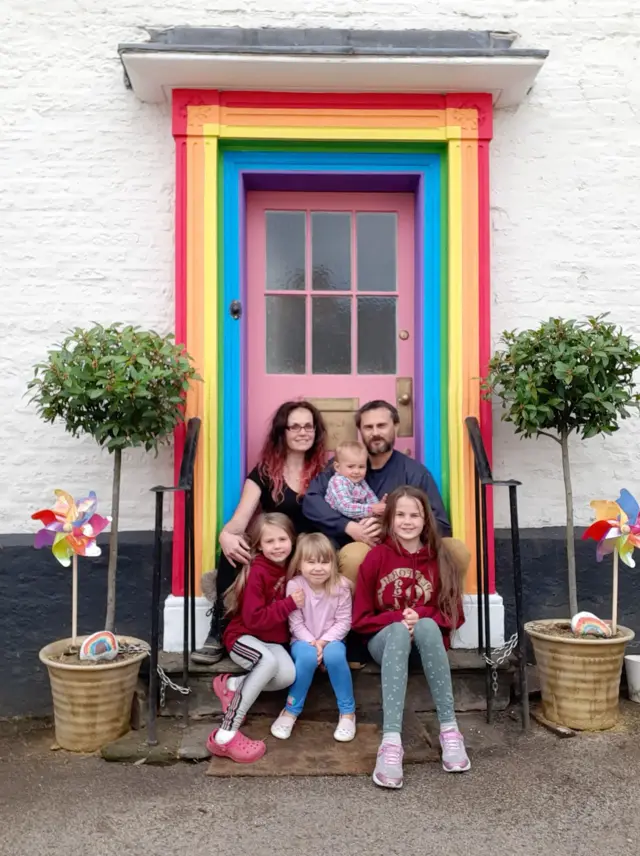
(240, 749)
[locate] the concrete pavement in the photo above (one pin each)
(535, 795)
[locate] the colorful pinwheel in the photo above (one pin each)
(616, 527)
(71, 529)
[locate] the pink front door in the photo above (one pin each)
(330, 307)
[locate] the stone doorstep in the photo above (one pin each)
(459, 659)
(177, 743)
(469, 682)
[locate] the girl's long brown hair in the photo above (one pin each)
(450, 575)
(234, 592)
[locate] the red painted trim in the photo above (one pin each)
(484, 315)
(177, 576)
(482, 103)
(333, 100)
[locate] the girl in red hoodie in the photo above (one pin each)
(256, 636)
(408, 593)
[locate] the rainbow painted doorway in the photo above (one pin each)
(433, 147)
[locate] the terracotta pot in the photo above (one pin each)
(91, 704)
(579, 677)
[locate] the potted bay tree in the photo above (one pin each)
(125, 387)
(566, 378)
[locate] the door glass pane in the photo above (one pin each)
(285, 335)
(376, 335)
(331, 251)
(285, 250)
(376, 242)
(331, 335)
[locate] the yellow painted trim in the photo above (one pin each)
(457, 486)
(210, 321)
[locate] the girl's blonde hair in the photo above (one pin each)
(316, 548)
(234, 592)
(450, 575)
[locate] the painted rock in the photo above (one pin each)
(588, 624)
(99, 646)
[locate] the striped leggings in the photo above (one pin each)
(269, 668)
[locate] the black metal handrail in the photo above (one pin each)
(484, 479)
(185, 485)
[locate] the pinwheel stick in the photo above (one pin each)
(74, 600)
(614, 605)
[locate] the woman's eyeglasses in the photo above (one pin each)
(309, 428)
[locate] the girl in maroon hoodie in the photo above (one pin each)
(256, 636)
(408, 593)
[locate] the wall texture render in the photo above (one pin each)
(86, 211)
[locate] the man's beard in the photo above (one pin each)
(382, 446)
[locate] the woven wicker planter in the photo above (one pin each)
(579, 677)
(91, 704)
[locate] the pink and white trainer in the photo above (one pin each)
(454, 754)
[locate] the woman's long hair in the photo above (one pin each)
(274, 451)
(234, 592)
(450, 575)
(316, 547)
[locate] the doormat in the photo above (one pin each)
(312, 751)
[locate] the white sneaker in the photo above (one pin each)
(283, 726)
(346, 730)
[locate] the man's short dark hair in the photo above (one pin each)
(377, 405)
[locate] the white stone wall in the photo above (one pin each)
(86, 219)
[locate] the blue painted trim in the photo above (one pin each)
(427, 169)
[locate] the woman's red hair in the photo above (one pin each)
(274, 451)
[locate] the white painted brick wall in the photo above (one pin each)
(86, 199)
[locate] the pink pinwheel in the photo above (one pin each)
(616, 527)
(70, 528)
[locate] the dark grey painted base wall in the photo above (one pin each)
(35, 599)
(35, 595)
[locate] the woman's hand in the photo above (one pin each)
(298, 598)
(235, 548)
(366, 531)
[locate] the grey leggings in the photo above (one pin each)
(390, 647)
(270, 668)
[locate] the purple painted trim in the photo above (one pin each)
(418, 386)
(311, 182)
(242, 197)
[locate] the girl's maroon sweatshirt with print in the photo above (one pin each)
(391, 580)
(263, 610)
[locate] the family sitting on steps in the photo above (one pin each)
(330, 565)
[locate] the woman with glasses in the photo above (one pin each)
(292, 456)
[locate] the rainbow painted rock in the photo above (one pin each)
(588, 624)
(99, 646)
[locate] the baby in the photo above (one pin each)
(347, 491)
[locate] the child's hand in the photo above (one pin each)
(298, 598)
(319, 646)
(409, 627)
(378, 508)
(410, 617)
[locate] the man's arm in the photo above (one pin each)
(422, 478)
(316, 509)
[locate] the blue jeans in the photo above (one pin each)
(334, 657)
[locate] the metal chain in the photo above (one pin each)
(165, 681)
(503, 653)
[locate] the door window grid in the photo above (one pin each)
(351, 350)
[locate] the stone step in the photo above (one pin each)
(467, 667)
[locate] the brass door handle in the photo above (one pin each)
(404, 399)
